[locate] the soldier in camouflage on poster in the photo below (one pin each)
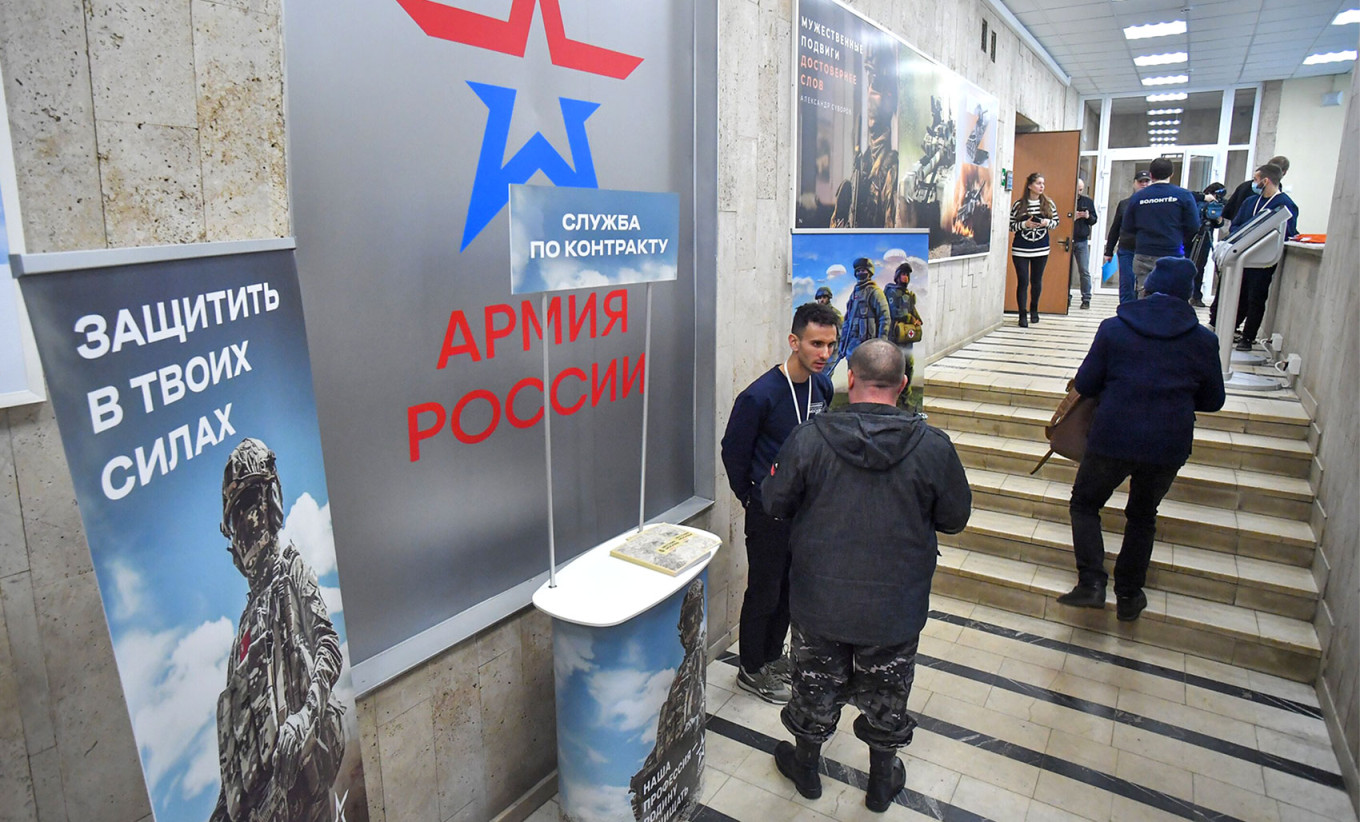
(868, 199)
(279, 733)
(867, 315)
(865, 489)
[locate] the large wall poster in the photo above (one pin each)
(826, 259)
(888, 138)
(183, 393)
(413, 121)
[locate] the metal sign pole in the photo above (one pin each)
(646, 394)
(547, 448)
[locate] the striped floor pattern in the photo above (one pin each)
(1023, 719)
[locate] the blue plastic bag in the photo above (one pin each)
(1109, 272)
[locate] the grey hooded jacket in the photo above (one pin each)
(866, 489)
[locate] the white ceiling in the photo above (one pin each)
(1229, 41)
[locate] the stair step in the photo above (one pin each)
(1228, 633)
(1019, 429)
(1231, 488)
(1016, 385)
(1270, 587)
(1275, 539)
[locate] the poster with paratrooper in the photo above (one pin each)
(879, 283)
(887, 137)
(183, 391)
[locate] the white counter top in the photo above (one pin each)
(599, 590)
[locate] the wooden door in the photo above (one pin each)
(1054, 154)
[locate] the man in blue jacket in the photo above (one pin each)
(865, 489)
(1151, 366)
(1161, 219)
(762, 417)
(1255, 290)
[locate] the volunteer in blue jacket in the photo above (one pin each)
(1151, 366)
(1161, 220)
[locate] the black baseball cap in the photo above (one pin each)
(1141, 175)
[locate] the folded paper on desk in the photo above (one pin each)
(669, 549)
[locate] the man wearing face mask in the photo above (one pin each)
(1251, 186)
(1255, 291)
(279, 733)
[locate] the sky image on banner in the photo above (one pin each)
(159, 373)
(887, 137)
(418, 118)
(630, 702)
(566, 238)
(901, 310)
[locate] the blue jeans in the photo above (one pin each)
(1128, 290)
(1081, 252)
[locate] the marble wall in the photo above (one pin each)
(163, 122)
(1316, 312)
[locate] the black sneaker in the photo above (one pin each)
(1034, 316)
(1085, 303)
(1024, 323)
(1128, 608)
(1084, 596)
(1243, 344)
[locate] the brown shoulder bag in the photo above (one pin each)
(1070, 426)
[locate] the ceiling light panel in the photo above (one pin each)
(1168, 97)
(1330, 57)
(1155, 30)
(1161, 59)
(1170, 79)
(1157, 111)
(1347, 16)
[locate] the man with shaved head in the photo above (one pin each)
(864, 490)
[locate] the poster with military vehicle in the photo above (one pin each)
(183, 391)
(879, 283)
(887, 137)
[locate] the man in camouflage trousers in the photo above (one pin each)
(866, 489)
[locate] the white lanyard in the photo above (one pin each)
(1260, 206)
(784, 369)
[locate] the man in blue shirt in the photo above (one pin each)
(1162, 220)
(1251, 302)
(762, 417)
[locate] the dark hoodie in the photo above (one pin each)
(1152, 366)
(866, 489)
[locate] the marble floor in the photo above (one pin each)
(1024, 719)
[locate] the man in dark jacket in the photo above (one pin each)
(1128, 289)
(1083, 218)
(762, 417)
(1152, 366)
(865, 490)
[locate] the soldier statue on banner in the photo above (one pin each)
(280, 737)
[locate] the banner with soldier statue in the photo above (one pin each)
(887, 137)
(183, 391)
